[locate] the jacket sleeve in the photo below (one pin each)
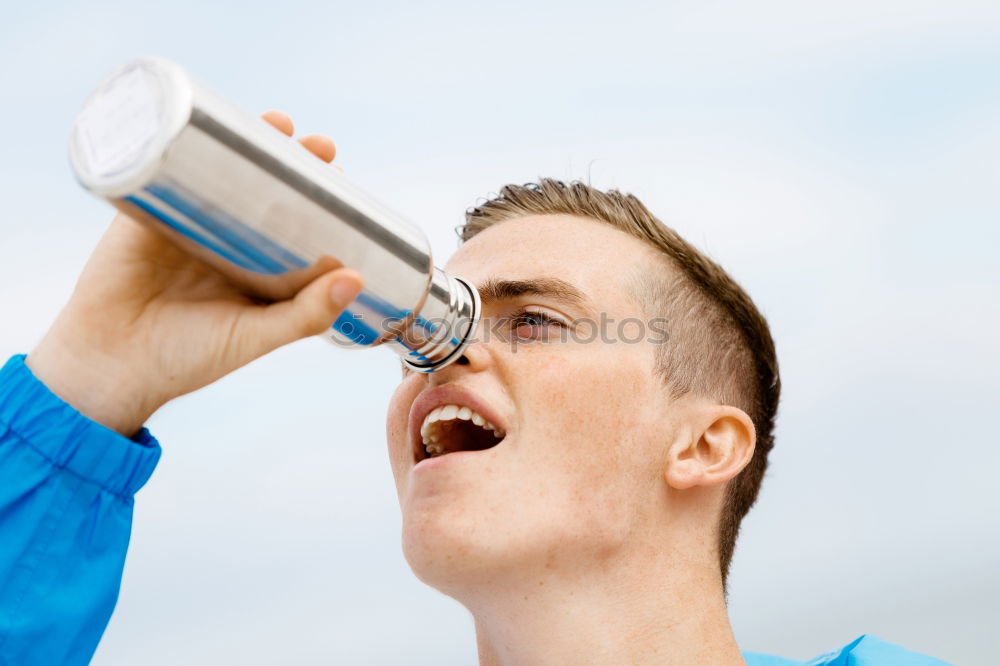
(66, 488)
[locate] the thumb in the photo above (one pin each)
(312, 310)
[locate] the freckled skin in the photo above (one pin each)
(579, 477)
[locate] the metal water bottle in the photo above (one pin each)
(262, 210)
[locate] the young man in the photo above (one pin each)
(576, 480)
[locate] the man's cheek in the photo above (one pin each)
(398, 412)
(404, 394)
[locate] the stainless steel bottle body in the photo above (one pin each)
(254, 204)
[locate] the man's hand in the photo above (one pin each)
(147, 322)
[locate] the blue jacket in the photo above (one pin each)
(66, 492)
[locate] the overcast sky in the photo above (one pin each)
(841, 159)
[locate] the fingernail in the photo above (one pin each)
(342, 292)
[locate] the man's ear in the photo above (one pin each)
(716, 448)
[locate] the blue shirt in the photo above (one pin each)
(66, 492)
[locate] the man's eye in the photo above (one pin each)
(531, 323)
(534, 319)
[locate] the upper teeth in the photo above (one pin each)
(429, 433)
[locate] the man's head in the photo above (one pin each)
(617, 440)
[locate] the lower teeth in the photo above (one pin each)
(435, 449)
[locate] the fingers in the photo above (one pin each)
(312, 311)
(321, 146)
(281, 121)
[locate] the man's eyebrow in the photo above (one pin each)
(495, 289)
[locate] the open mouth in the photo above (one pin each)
(452, 428)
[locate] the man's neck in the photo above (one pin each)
(665, 616)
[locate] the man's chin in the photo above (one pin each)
(455, 559)
(440, 558)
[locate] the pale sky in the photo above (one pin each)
(842, 160)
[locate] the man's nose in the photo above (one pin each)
(475, 358)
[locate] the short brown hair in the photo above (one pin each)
(719, 345)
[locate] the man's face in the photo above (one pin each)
(577, 478)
